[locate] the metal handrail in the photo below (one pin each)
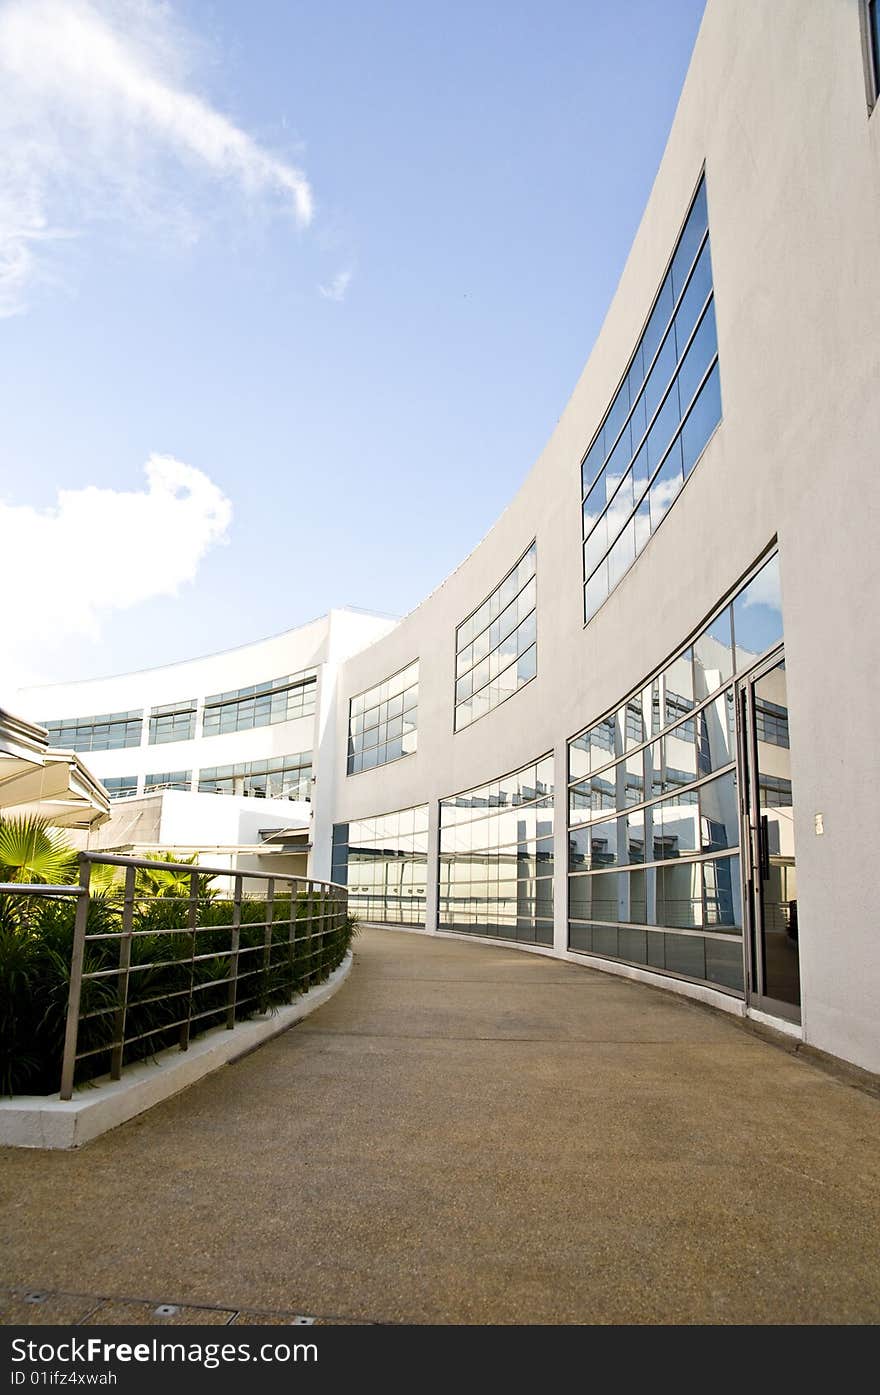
(39, 889)
(294, 957)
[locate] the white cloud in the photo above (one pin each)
(337, 288)
(764, 588)
(66, 569)
(95, 101)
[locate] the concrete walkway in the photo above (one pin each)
(470, 1134)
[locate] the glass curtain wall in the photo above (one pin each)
(496, 648)
(168, 780)
(383, 861)
(282, 777)
(261, 704)
(110, 732)
(383, 721)
(496, 857)
(654, 826)
(661, 418)
(175, 721)
(120, 786)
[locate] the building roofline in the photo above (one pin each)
(212, 654)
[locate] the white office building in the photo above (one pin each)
(635, 728)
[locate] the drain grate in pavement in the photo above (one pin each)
(44, 1307)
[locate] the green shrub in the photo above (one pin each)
(278, 960)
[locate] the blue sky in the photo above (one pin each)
(357, 307)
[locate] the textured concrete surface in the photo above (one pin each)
(472, 1134)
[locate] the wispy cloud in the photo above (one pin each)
(96, 106)
(336, 289)
(99, 551)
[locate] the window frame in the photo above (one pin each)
(869, 25)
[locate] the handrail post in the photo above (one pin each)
(234, 953)
(74, 992)
(124, 966)
(317, 933)
(291, 948)
(267, 943)
(193, 916)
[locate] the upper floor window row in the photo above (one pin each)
(282, 777)
(120, 786)
(661, 418)
(261, 704)
(383, 721)
(167, 780)
(112, 731)
(175, 721)
(496, 647)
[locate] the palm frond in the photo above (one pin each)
(32, 851)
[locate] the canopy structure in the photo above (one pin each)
(296, 840)
(53, 784)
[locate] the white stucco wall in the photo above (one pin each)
(774, 106)
(320, 645)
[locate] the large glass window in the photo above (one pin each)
(120, 786)
(383, 862)
(496, 647)
(665, 410)
(496, 857)
(283, 777)
(261, 704)
(654, 832)
(168, 780)
(110, 732)
(176, 721)
(383, 721)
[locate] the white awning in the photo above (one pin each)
(53, 784)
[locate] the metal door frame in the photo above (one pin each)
(747, 759)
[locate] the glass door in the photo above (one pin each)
(774, 967)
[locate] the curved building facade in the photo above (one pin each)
(635, 728)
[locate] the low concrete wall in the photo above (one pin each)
(45, 1121)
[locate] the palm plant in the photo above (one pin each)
(32, 851)
(162, 881)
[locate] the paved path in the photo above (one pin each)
(470, 1134)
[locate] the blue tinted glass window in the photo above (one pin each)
(693, 300)
(703, 417)
(644, 430)
(697, 359)
(689, 241)
(757, 615)
(657, 323)
(378, 730)
(495, 647)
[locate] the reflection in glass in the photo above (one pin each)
(655, 808)
(496, 653)
(383, 862)
(496, 856)
(680, 895)
(719, 814)
(383, 721)
(674, 823)
(776, 875)
(722, 892)
(702, 419)
(644, 423)
(638, 895)
(713, 656)
(757, 615)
